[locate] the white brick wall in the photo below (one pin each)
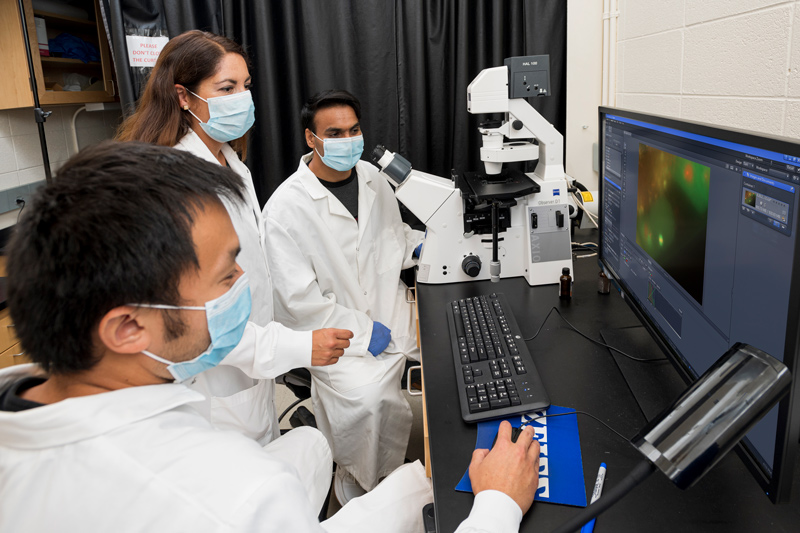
(20, 151)
(729, 62)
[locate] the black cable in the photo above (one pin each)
(20, 201)
(541, 326)
(620, 435)
(579, 332)
(284, 413)
(639, 473)
(583, 247)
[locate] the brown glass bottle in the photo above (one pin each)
(603, 283)
(565, 284)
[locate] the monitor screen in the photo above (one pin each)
(699, 232)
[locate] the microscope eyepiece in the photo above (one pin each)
(394, 166)
(377, 153)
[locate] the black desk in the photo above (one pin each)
(586, 377)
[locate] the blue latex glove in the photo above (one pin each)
(381, 336)
(417, 251)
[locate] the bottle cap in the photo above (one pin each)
(565, 270)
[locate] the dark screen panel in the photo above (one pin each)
(699, 231)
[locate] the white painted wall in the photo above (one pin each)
(584, 82)
(733, 63)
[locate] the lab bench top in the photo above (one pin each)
(584, 376)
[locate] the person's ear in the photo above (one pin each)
(309, 138)
(123, 330)
(183, 96)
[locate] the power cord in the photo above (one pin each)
(579, 202)
(588, 246)
(579, 332)
(584, 245)
(620, 435)
(640, 472)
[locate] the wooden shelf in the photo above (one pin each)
(73, 97)
(68, 61)
(71, 21)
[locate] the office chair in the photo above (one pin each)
(299, 382)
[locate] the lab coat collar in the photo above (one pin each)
(366, 196)
(317, 191)
(85, 417)
(192, 143)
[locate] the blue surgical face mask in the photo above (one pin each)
(229, 116)
(227, 317)
(341, 154)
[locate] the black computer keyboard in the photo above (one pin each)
(495, 372)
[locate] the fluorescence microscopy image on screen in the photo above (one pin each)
(749, 198)
(671, 215)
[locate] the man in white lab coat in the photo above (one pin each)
(122, 272)
(337, 246)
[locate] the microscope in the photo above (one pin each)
(516, 223)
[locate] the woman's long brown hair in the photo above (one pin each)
(187, 60)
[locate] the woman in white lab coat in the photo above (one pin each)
(198, 99)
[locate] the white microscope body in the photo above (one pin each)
(530, 215)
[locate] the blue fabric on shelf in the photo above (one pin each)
(69, 46)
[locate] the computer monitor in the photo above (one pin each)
(699, 232)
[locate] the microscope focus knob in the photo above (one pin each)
(471, 265)
(517, 125)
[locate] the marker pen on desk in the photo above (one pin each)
(598, 489)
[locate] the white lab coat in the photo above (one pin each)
(331, 271)
(235, 400)
(140, 459)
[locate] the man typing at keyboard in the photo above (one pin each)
(111, 427)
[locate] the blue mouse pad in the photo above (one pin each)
(560, 464)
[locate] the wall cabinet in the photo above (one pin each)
(50, 72)
(11, 352)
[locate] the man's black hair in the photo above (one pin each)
(324, 100)
(114, 228)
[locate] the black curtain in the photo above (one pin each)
(151, 18)
(442, 46)
(408, 61)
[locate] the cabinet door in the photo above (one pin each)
(11, 356)
(15, 89)
(51, 71)
(7, 335)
